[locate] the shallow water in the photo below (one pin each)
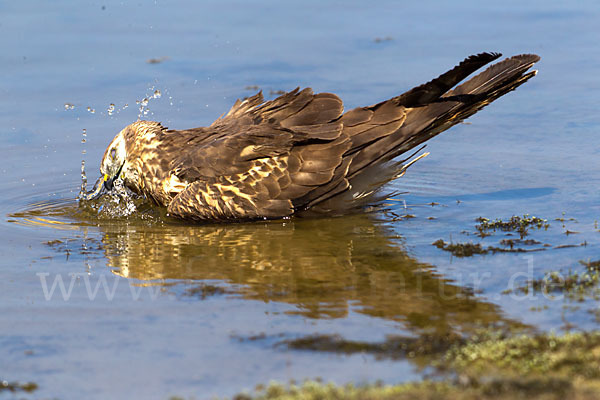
(151, 307)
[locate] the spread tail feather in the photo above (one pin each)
(389, 129)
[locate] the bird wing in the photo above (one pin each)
(300, 151)
(264, 159)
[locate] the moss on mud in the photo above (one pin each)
(487, 366)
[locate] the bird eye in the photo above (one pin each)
(113, 154)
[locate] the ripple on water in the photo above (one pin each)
(49, 213)
(71, 214)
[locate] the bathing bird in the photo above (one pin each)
(299, 154)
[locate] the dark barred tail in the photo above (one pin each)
(457, 105)
(393, 128)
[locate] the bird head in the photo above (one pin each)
(114, 161)
(114, 164)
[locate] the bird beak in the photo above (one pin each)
(98, 189)
(108, 181)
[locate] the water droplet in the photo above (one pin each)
(83, 189)
(157, 94)
(111, 109)
(69, 106)
(83, 180)
(91, 110)
(143, 106)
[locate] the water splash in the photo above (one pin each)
(83, 188)
(119, 203)
(123, 201)
(143, 107)
(143, 104)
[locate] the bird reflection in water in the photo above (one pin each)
(323, 267)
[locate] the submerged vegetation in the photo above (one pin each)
(487, 366)
(434, 390)
(485, 227)
(204, 290)
(573, 285)
(515, 225)
(16, 387)
(461, 249)
(394, 347)
(469, 249)
(521, 225)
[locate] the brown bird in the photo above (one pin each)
(300, 153)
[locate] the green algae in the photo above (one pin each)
(524, 242)
(393, 347)
(539, 389)
(521, 225)
(574, 285)
(489, 365)
(515, 225)
(469, 249)
(461, 249)
(203, 291)
(572, 355)
(16, 387)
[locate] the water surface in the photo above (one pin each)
(153, 308)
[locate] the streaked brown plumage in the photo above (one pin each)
(299, 153)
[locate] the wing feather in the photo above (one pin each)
(260, 158)
(300, 152)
